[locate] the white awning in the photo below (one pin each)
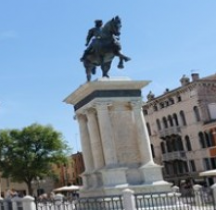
(208, 173)
(67, 188)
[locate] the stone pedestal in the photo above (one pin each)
(114, 139)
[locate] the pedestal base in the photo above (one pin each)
(112, 181)
(151, 172)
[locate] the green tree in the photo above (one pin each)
(30, 153)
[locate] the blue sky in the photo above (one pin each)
(41, 42)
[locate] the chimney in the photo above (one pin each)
(195, 76)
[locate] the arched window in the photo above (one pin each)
(148, 128)
(174, 144)
(175, 119)
(179, 98)
(162, 105)
(171, 101)
(188, 143)
(183, 119)
(155, 108)
(162, 147)
(196, 113)
(180, 144)
(170, 121)
(201, 140)
(152, 149)
(165, 124)
(169, 145)
(158, 124)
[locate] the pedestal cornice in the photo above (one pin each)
(105, 87)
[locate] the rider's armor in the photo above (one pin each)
(93, 32)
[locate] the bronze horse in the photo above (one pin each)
(105, 49)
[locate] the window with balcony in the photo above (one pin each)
(169, 145)
(173, 145)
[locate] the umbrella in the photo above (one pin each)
(67, 188)
(208, 173)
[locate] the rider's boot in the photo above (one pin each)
(83, 57)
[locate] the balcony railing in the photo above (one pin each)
(177, 155)
(170, 131)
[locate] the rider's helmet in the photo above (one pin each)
(98, 23)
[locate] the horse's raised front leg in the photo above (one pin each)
(122, 58)
(120, 64)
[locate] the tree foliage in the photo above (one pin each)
(29, 153)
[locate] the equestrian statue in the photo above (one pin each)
(103, 45)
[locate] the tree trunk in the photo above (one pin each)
(30, 190)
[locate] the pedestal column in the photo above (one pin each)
(142, 133)
(106, 132)
(151, 172)
(95, 139)
(85, 143)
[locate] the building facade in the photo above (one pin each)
(69, 173)
(182, 128)
(78, 168)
